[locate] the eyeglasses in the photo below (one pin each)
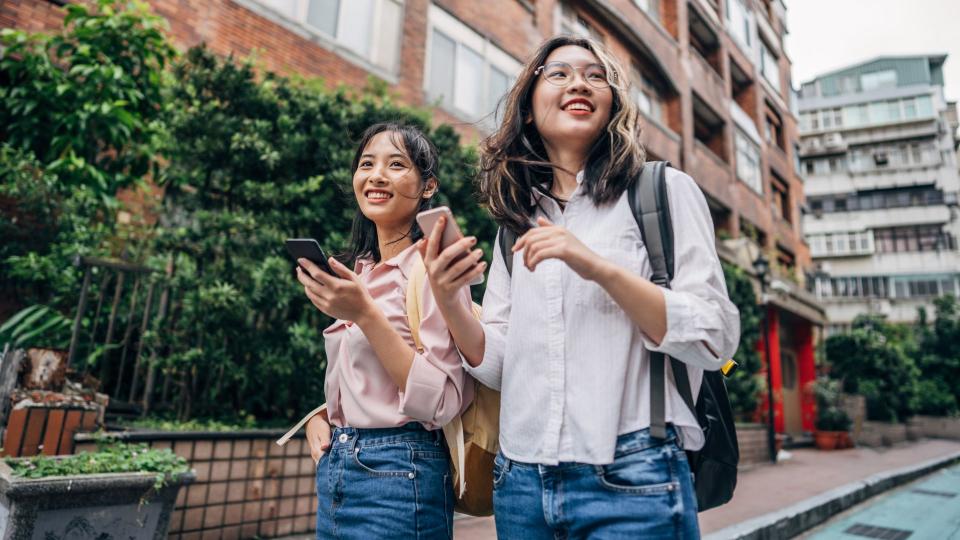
(562, 74)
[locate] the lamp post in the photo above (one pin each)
(762, 268)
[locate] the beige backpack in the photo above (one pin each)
(473, 437)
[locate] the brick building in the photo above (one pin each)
(711, 77)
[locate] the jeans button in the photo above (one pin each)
(410, 475)
(343, 438)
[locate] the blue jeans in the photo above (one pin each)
(385, 483)
(647, 492)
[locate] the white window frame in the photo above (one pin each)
(739, 15)
(742, 144)
(298, 20)
(464, 36)
(767, 57)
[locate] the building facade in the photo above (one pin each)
(879, 151)
(711, 77)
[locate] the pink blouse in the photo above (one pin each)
(360, 392)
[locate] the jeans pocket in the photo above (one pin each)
(499, 470)
(645, 472)
(384, 460)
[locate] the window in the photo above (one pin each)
(645, 95)
(781, 198)
(748, 162)
(914, 239)
(738, 17)
(465, 72)
(769, 66)
(651, 7)
(879, 79)
(347, 23)
(572, 24)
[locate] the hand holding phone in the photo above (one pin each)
(451, 235)
(308, 248)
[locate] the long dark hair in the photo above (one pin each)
(410, 140)
(514, 165)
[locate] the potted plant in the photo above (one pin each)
(832, 423)
(120, 491)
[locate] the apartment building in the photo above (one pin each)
(879, 151)
(711, 77)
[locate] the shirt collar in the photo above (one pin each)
(401, 260)
(536, 195)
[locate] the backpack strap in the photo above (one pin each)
(506, 238)
(414, 300)
(651, 209)
(453, 431)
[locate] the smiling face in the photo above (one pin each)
(387, 185)
(575, 114)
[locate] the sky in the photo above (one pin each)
(825, 35)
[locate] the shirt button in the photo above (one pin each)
(343, 438)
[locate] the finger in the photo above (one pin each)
(467, 277)
(422, 248)
(436, 235)
(542, 255)
(544, 222)
(530, 236)
(455, 250)
(341, 269)
(307, 281)
(308, 265)
(465, 264)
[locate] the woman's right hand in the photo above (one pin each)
(449, 271)
(318, 437)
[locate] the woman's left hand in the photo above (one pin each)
(341, 297)
(549, 241)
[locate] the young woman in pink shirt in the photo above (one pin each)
(383, 469)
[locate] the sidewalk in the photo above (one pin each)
(766, 489)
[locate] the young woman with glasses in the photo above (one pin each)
(567, 336)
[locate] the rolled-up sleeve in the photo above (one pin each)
(496, 314)
(436, 389)
(703, 325)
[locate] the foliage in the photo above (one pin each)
(80, 115)
(113, 457)
(254, 161)
(939, 359)
(162, 424)
(36, 326)
(745, 385)
(876, 360)
(830, 415)
(86, 101)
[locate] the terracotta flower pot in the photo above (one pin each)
(827, 440)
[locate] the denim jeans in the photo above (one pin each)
(385, 483)
(647, 492)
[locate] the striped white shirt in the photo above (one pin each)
(572, 367)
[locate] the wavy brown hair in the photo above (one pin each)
(514, 165)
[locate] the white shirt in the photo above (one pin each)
(572, 367)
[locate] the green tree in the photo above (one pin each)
(80, 115)
(745, 384)
(876, 360)
(939, 359)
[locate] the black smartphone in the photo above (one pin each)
(308, 248)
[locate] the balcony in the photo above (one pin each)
(643, 34)
(707, 82)
(661, 141)
(711, 173)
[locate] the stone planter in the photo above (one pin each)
(116, 505)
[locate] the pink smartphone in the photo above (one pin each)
(428, 220)
(451, 231)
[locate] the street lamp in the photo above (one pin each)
(761, 266)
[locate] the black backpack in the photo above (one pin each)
(715, 465)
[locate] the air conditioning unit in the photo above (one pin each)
(833, 139)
